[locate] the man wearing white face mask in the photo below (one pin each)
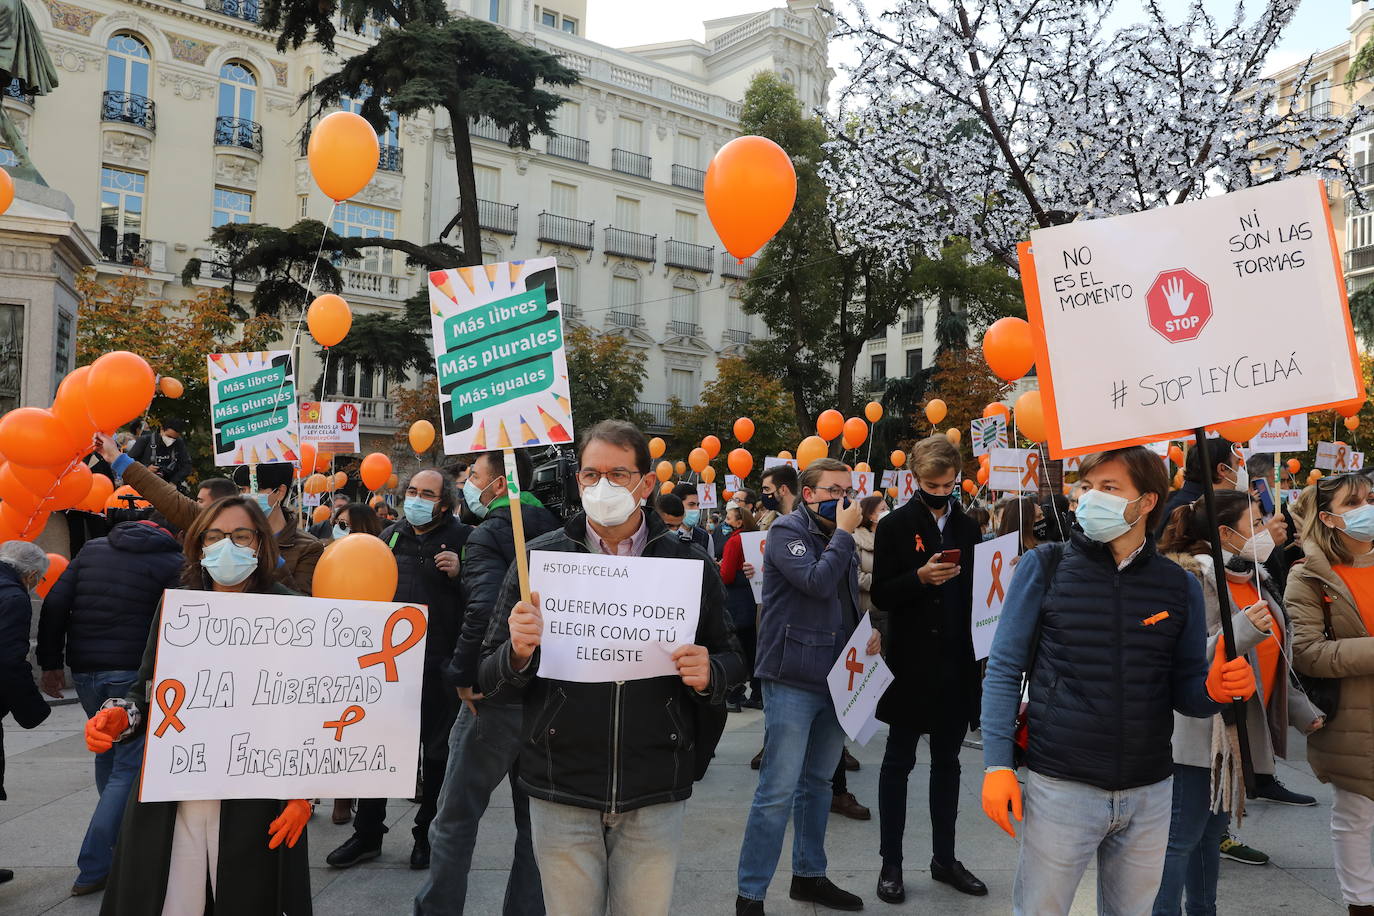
(1110, 636)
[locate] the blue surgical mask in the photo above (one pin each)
(419, 511)
(340, 532)
(473, 497)
(1102, 516)
(691, 517)
(264, 502)
(1359, 522)
(228, 563)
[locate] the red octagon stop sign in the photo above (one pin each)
(1179, 304)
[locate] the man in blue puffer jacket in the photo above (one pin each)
(96, 619)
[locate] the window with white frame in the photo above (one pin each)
(121, 212)
(687, 151)
(494, 10)
(569, 25)
(567, 285)
(567, 119)
(685, 226)
(682, 385)
(627, 214)
(563, 199)
(686, 310)
(232, 206)
(628, 132)
(353, 220)
(548, 18)
(625, 295)
(488, 181)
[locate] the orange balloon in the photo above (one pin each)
(321, 514)
(897, 458)
(421, 435)
(847, 443)
(329, 319)
(1352, 423)
(6, 190)
(681, 468)
(892, 492)
(375, 471)
(119, 387)
(1240, 430)
(1009, 348)
(359, 567)
(983, 474)
(785, 455)
(985, 458)
(740, 462)
(1030, 416)
(56, 564)
(969, 486)
(953, 435)
(393, 482)
(117, 499)
(830, 424)
(16, 492)
(72, 489)
(811, 448)
(874, 411)
(856, 431)
(750, 188)
(1314, 476)
(1294, 465)
(1176, 455)
(936, 410)
(698, 459)
(171, 387)
(341, 481)
(863, 468)
(1350, 408)
(307, 456)
(744, 430)
(322, 462)
(712, 446)
(69, 406)
(666, 487)
(664, 471)
(101, 488)
(657, 447)
(315, 483)
(998, 410)
(708, 474)
(35, 438)
(343, 155)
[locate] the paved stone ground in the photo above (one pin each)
(51, 788)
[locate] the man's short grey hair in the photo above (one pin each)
(24, 558)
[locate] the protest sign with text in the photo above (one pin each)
(733, 483)
(993, 564)
(275, 696)
(1282, 434)
(1014, 470)
(751, 544)
(857, 682)
(1338, 457)
(331, 425)
(253, 407)
(706, 496)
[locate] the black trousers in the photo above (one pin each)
(898, 761)
(748, 643)
(438, 710)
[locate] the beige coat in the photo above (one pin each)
(1342, 752)
(863, 540)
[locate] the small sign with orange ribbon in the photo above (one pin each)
(993, 563)
(857, 682)
(274, 696)
(1336, 457)
(1014, 470)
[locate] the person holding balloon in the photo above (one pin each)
(178, 508)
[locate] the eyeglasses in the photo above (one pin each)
(837, 491)
(423, 494)
(590, 477)
(243, 537)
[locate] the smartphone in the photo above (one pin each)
(1260, 487)
(948, 556)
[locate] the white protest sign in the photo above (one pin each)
(331, 425)
(1282, 434)
(863, 483)
(706, 496)
(751, 544)
(889, 479)
(857, 682)
(1158, 322)
(993, 563)
(1357, 461)
(906, 486)
(772, 461)
(1014, 469)
(253, 407)
(613, 618)
(273, 696)
(310, 499)
(733, 483)
(988, 433)
(1335, 456)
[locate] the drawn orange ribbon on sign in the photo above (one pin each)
(853, 666)
(996, 589)
(862, 480)
(1032, 476)
(387, 654)
(1340, 457)
(350, 715)
(169, 710)
(909, 484)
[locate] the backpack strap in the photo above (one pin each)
(1056, 553)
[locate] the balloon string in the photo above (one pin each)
(305, 309)
(24, 532)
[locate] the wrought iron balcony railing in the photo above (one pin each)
(629, 244)
(688, 256)
(128, 108)
(631, 163)
(565, 147)
(238, 132)
(564, 230)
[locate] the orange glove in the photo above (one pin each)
(104, 727)
(290, 824)
(1229, 680)
(1000, 791)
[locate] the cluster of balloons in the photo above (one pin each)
(42, 448)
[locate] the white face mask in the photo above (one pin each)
(607, 504)
(1242, 476)
(168, 440)
(1258, 548)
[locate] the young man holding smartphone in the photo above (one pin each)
(923, 579)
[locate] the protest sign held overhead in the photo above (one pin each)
(270, 696)
(253, 407)
(988, 433)
(499, 350)
(1156, 323)
(331, 425)
(1282, 434)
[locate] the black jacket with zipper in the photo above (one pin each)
(419, 581)
(609, 746)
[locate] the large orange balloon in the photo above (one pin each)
(35, 438)
(343, 155)
(1240, 430)
(323, 461)
(785, 455)
(750, 188)
(698, 459)
(321, 514)
(6, 190)
(421, 435)
(1350, 408)
(71, 490)
(69, 406)
(341, 481)
(56, 564)
(862, 467)
(666, 487)
(998, 410)
(740, 462)
(708, 474)
(375, 470)
(315, 483)
(712, 446)
(874, 411)
(847, 443)
(856, 431)
(329, 319)
(120, 387)
(307, 456)
(830, 424)
(1352, 423)
(1294, 465)
(16, 492)
(1009, 348)
(171, 387)
(657, 447)
(359, 567)
(936, 410)
(664, 471)
(811, 448)
(744, 430)
(954, 435)
(969, 486)
(101, 488)
(118, 499)
(1030, 416)
(897, 458)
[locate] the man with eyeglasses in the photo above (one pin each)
(609, 766)
(810, 609)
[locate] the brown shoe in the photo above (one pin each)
(757, 761)
(850, 763)
(1361, 909)
(847, 805)
(343, 810)
(81, 890)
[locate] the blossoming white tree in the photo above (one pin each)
(988, 118)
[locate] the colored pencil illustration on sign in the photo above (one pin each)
(253, 407)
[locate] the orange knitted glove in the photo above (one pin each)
(1000, 792)
(1231, 680)
(290, 824)
(104, 727)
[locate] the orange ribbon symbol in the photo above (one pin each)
(387, 654)
(920, 544)
(1032, 476)
(909, 484)
(170, 709)
(863, 484)
(1340, 457)
(996, 589)
(853, 666)
(350, 715)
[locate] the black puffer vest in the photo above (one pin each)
(1101, 694)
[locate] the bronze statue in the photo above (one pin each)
(23, 58)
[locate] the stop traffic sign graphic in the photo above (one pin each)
(1179, 305)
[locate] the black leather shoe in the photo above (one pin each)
(8, 875)
(419, 854)
(354, 850)
(958, 877)
(823, 892)
(754, 702)
(757, 761)
(745, 906)
(733, 706)
(890, 887)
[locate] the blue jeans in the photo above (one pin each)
(1068, 823)
(802, 739)
(483, 750)
(1194, 856)
(115, 771)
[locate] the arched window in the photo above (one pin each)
(238, 90)
(126, 65)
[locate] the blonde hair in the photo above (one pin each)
(1315, 500)
(933, 456)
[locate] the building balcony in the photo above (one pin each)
(1359, 258)
(657, 413)
(571, 311)
(13, 91)
(377, 412)
(496, 217)
(564, 230)
(486, 129)
(637, 164)
(736, 336)
(689, 178)
(565, 147)
(390, 157)
(684, 328)
(627, 244)
(1364, 174)
(247, 10)
(688, 256)
(131, 249)
(731, 266)
(618, 319)
(913, 326)
(128, 108)
(238, 132)
(369, 283)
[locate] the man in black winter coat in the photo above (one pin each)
(426, 543)
(95, 620)
(481, 757)
(164, 452)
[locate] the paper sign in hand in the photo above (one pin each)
(857, 682)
